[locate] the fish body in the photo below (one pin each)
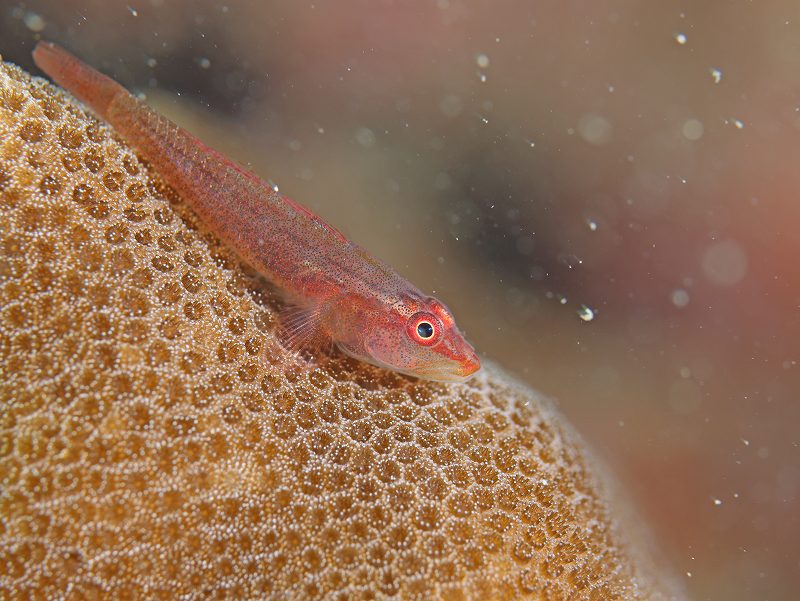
(337, 292)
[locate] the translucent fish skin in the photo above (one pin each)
(341, 293)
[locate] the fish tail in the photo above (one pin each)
(90, 86)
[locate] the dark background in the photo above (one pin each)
(522, 160)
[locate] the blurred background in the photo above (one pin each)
(605, 193)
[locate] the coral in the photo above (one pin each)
(154, 443)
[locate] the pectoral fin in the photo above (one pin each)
(302, 328)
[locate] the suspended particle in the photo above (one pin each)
(585, 313)
(34, 22)
(679, 298)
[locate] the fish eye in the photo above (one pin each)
(425, 329)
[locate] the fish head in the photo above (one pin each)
(416, 336)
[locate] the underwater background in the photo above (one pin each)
(604, 193)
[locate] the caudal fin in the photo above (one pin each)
(87, 84)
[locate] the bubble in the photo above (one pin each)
(365, 137)
(681, 38)
(594, 129)
(585, 313)
(451, 105)
(204, 63)
(679, 297)
(34, 22)
(724, 263)
(692, 129)
(482, 61)
(716, 74)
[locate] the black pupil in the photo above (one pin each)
(424, 329)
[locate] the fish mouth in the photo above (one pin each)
(456, 372)
(452, 371)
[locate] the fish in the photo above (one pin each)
(336, 292)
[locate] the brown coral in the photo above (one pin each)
(147, 452)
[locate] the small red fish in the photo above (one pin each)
(337, 291)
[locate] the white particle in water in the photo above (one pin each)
(681, 38)
(596, 130)
(679, 298)
(482, 77)
(716, 74)
(592, 225)
(365, 137)
(717, 502)
(133, 11)
(585, 313)
(692, 129)
(724, 263)
(738, 123)
(482, 61)
(204, 63)
(451, 105)
(34, 22)
(151, 62)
